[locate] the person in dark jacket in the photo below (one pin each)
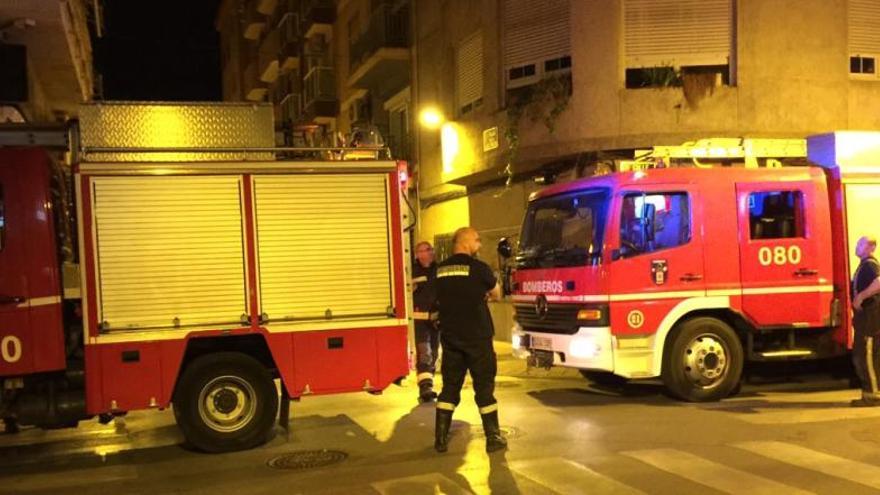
(866, 321)
(427, 335)
(464, 284)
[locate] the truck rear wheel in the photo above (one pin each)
(225, 402)
(702, 361)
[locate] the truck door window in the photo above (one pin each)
(776, 214)
(651, 222)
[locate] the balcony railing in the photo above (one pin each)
(320, 85)
(388, 27)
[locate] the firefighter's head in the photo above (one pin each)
(425, 253)
(865, 246)
(466, 240)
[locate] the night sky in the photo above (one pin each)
(159, 50)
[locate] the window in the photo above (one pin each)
(776, 215)
(676, 43)
(2, 220)
(653, 222)
(864, 45)
(469, 73)
(537, 40)
(564, 230)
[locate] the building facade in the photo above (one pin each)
(45, 59)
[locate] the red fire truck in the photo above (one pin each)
(688, 273)
(192, 267)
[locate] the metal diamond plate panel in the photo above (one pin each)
(135, 126)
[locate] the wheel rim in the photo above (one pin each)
(227, 403)
(706, 360)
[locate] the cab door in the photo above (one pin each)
(657, 255)
(14, 320)
(785, 267)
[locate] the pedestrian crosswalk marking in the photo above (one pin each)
(565, 476)
(435, 482)
(712, 474)
(802, 457)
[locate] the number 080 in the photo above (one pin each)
(779, 255)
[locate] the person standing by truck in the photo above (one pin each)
(424, 275)
(464, 284)
(866, 321)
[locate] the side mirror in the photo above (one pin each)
(648, 213)
(504, 248)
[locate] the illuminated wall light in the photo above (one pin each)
(431, 118)
(450, 146)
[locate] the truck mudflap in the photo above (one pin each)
(589, 348)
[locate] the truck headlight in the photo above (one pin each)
(584, 347)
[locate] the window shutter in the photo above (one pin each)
(864, 27)
(535, 31)
(323, 246)
(169, 251)
(677, 32)
(469, 65)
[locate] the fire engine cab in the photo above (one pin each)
(689, 272)
(182, 260)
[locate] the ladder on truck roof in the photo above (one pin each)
(704, 153)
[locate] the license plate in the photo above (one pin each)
(545, 343)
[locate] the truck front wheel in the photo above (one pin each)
(702, 360)
(225, 402)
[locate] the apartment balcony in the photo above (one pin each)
(319, 95)
(267, 57)
(291, 42)
(318, 17)
(381, 55)
(254, 88)
(253, 22)
(290, 110)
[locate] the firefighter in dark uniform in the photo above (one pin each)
(427, 335)
(464, 284)
(866, 321)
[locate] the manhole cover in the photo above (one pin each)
(506, 431)
(307, 459)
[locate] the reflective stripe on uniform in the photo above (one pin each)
(453, 271)
(869, 358)
(446, 406)
(489, 409)
(424, 376)
(421, 315)
(418, 280)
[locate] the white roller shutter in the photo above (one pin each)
(536, 31)
(469, 67)
(864, 27)
(169, 251)
(323, 246)
(677, 32)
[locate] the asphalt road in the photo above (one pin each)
(786, 432)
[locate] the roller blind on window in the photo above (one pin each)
(677, 32)
(864, 27)
(469, 67)
(536, 31)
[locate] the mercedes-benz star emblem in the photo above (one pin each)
(541, 307)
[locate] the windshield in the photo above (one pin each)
(564, 230)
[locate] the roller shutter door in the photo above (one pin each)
(323, 246)
(169, 251)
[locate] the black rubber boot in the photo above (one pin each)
(426, 391)
(441, 430)
(494, 440)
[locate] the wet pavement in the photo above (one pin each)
(789, 433)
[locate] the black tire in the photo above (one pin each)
(604, 378)
(702, 360)
(225, 401)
